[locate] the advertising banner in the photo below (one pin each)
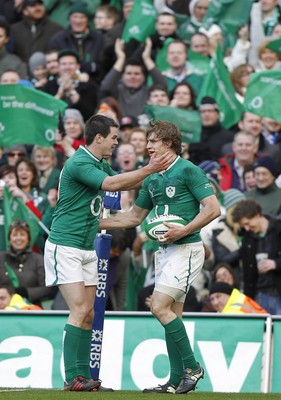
(276, 371)
(229, 349)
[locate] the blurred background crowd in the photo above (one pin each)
(213, 69)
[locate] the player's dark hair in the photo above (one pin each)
(167, 132)
(98, 124)
(246, 209)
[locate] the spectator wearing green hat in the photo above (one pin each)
(58, 10)
(79, 37)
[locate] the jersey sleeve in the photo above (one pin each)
(198, 183)
(90, 175)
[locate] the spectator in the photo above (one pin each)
(213, 135)
(268, 59)
(22, 268)
(109, 107)
(179, 70)
(225, 239)
(27, 181)
(223, 272)
(8, 60)
(68, 142)
(127, 124)
(166, 28)
(58, 10)
(11, 10)
(183, 96)
(126, 81)
(9, 77)
(10, 300)
(158, 96)
(15, 153)
(199, 43)
(139, 141)
(260, 253)
(38, 69)
(78, 37)
(44, 159)
(9, 177)
(240, 77)
(240, 52)
(215, 36)
(106, 17)
(264, 16)
(52, 63)
(72, 86)
(34, 31)
(197, 9)
(244, 153)
(266, 193)
(228, 300)
(249, 178)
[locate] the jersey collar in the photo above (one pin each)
(170, 166)
(88, 152)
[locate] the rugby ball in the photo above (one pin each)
(155, 229)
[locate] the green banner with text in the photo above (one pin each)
(28, 116)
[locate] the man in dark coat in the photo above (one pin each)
(34, 31)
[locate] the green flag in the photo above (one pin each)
(15, 209)
(263, 95)
(141, 23)
(217, 84)
(28, 116)
(199, 64)
(188, 122)
(229, 15)
(275, 45)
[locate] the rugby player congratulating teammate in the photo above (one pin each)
(70, 258)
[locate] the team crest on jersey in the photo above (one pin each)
(170, 191)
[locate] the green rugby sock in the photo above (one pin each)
(176, 365)
(176, 330)
(71, 343)
(83, 356)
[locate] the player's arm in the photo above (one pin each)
(209, 211)
(127, 219)
(128, 180)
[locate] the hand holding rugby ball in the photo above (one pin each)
(155, 229)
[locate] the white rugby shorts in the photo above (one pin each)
(176, 267)
(65, 264)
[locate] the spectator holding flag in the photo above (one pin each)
(22, 268)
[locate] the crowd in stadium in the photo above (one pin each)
(91, 55)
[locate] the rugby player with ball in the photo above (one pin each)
(183, 200)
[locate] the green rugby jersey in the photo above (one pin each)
(177, 191)
(76, 216)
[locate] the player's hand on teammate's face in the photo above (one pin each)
(162, 162)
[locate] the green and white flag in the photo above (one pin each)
(275, 45)
(141, 23)
(199, 64)
(263, 95)
(229, 15)
(217, 84)
(15, 209)
(28, 116)
(188, 122)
